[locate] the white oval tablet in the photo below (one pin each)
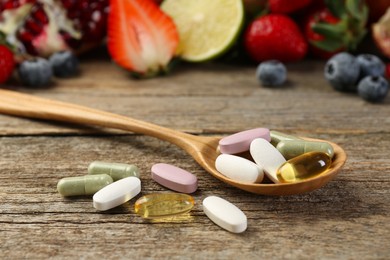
(117, 193)
(240, 142)
(225, 214)
(238, 168)
(267, 156)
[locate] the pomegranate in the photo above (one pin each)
(43, 27)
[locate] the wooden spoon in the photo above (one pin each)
(203, 149)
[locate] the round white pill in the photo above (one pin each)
(225, 214)
(267, 156)
(117, 193)
(238, 168)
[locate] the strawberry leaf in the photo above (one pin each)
(333, 31)
(328, 45)
(354, 8)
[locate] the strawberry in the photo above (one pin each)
(141, 38)
(338, 26)
(274, 36)
(287, 6)
(7, 63)
(322, 15)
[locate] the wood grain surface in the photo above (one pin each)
(347, 218)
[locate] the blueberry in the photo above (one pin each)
(342, 72)
(373, 88)
(65, 64)
(370, 65)
(36, 72)
(271, 73)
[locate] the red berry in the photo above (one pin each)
(322, 15)
(7, 63)
(275, 36)
(287, 6)
(141, 37)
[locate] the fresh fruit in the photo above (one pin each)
(340, 26)
(370, 65)
(381, 33)
(89, 17)
(7, 63)
(274, 36)
(207, 29)
(36, 72)
(322, 15)
(271, 73)
(373, 88)
(43, 27)
(287, 6)
(64, 64)
(141, 38)
(342, 72)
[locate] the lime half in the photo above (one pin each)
(207, 28)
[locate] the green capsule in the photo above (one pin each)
(303, 167)
(276, 137)
(117, 171)
(83, 185)
(160, 205)
(292, 148)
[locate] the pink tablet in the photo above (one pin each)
(174, 178)
(240, 142)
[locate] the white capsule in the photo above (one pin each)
(117, 193)
(225, 214)
(267, 156)
(238, 168)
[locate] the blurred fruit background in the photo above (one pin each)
(146, 36)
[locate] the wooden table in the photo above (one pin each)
(347, 218)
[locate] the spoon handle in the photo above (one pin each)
(25, 105)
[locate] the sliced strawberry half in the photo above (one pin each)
(141, 38)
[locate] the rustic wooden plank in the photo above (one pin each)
(348, 218)
(214, 98)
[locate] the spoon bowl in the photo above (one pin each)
(202, 148)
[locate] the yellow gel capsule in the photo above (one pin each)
(160, 205)
(303, 167)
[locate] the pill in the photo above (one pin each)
(117, 171)
(304, 167)
(161, 205)
(267, 156)
(82, 185)
(292, 148)
(174, 178)
(276, 137)
(225, 214)
(117, 193)
(240, 142)
(238, 168)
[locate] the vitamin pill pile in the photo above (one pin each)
(282, 158)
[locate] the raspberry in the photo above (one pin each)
(7, 63)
